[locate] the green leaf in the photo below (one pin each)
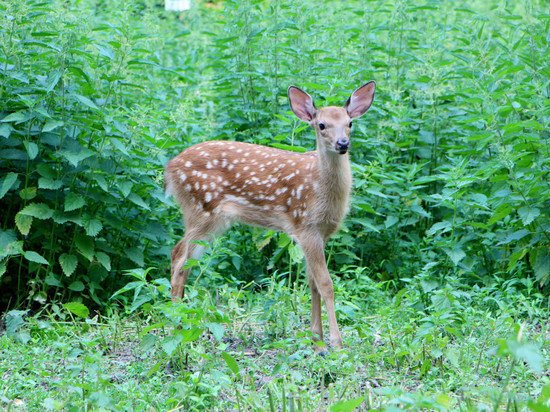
(171, 343)
(52, 124)
(73, 201)
(135, 255)
(138, 201)
(231, 363)
(104, 259)
(500, 214)
(528, 214)
(15, 117)
(85, 245)
(5, 130)
(28, 193)
(48, 183)
(32, 150)
(456, 254)
(34, 257)
(23, 223)
(37, 210)
(540, 260)
(68, 263)
(217, 330)
(7, 183)
(86, 102)
(77, 286)
(93, 227)
(347, 406)
(77, 308)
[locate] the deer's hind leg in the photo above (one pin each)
(197, 229)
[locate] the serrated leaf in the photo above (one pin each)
(73, 201)
(77, 308)
(171, 343)
(86, 102)
(135, 255)
(23, 223)
(528, 214)
(456, 254)
(85, 245)
(500, 214)
(217, 330)
(37, 210)
(48, 183)
(68, 263)
(15, 117)
(5, 130)
(104, 259)
(92, 227)
(34, 257)
(7, 183)
(28, 193)
(32, 150)
(52, 124)
(138, 201)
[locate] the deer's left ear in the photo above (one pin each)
(360, 100)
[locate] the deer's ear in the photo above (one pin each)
(301, 104)
(360, 100)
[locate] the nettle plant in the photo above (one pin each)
(76, 188)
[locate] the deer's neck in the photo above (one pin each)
(334, 186)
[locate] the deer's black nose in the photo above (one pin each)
(342, 145)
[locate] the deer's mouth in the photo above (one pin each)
(342, 147)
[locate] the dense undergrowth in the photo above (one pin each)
(449, 215)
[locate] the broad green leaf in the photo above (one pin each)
(528, 214)
(52, 124)
(440, 227)
(77, 286)
(23, 223)
(86, 102)
(85, 245)
(500, 214)
(135, 255)
(104, 259)
(92, 227)
(217, 330)
(171, 343)
(5, 130)
(138, 201)
(32, 150)
(48, 183)
(540, 261)
(77, 308)
(347, 406)
(28, 193)
(37, 210)
(456, 254)
(15, 117)
(68, 263)
(73, 201)
(231, 363)
(7, 183)
(34, 257)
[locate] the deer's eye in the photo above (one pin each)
(350, 123)
(322, 126)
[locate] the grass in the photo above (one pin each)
(253, 352)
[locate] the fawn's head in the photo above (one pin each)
(332, 124)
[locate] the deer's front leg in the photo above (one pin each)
(316, 323)
(314, 251)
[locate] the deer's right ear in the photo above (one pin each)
(301, 104)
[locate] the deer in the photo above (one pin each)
(306, 195)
